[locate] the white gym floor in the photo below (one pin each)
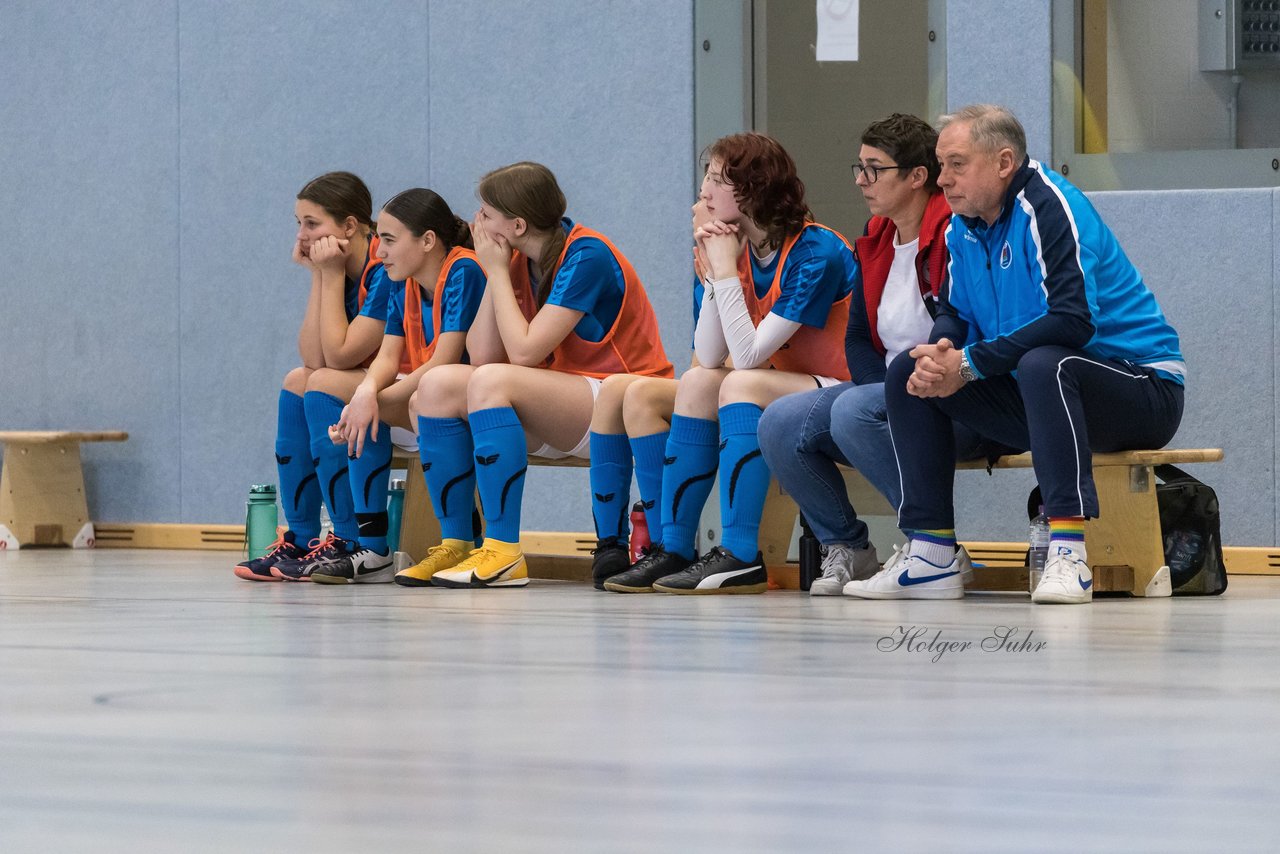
(150, 701)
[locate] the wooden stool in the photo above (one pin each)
(42, 499)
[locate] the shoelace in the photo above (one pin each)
(1062, 572)
(275, 548)
(318, 545)
(606, 544)
(837, 556)
(651, 552)
(441, 549)
(891, 565)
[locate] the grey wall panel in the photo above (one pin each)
(273, 95)
(1219, 293)
(603, 95)
(88, 130)
(998, 51)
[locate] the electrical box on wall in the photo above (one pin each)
(1239, 35)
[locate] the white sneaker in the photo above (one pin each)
(908, 577)
(1067, 580)
(842, 564)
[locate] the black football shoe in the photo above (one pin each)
(717, 571)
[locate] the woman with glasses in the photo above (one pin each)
(902, 264)
(563, 309)
(771, 323)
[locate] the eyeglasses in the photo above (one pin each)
(716, 178)
(871, 173)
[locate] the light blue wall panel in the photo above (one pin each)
(1218, 291)
(271, 96)
(88, 140)
(601, 93)
(998, 51)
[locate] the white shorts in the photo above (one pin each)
(826, 382)
(405, 440)
(582, 450)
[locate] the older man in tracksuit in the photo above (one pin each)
(1047, 339)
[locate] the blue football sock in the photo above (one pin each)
(370, 475)
(744, 480)
(448, 466)
(501, 463)
(689, 469)
(299, 487)
(610, 485)
(648, 452)
(324, 410)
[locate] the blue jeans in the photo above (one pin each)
(804, 436)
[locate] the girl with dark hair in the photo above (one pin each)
(341, 329)
(776, 302)
(423, 245)
(563, 310)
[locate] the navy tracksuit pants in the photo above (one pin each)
(1062, 405)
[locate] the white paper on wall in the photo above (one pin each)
(837, 31)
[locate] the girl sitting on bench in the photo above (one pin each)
(563, 310)
(341, 329)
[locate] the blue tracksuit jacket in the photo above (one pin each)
(1049, 271)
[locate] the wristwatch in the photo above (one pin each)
(966, 369)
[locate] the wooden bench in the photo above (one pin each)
(42, 501)
(1125, 548)
(1126, 551)
(419, 527)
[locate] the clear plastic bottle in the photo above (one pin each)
(1039, 542)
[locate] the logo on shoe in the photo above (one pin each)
(487, 461)
(906, 579)
(1085, 585)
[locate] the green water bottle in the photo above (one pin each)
(260, 519)
(395, 512)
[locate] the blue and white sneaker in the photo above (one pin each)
(1067, 580)
(909, 577)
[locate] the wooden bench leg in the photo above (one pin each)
(777, 526)
(1124, 544)
(42, 499)
(419, 527)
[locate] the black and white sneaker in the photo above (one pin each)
(717, 571)
(656, 563)
(364, 566)
(609, 557)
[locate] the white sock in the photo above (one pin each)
(935, 553)
(1076, 547)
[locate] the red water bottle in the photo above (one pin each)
(639, 531)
